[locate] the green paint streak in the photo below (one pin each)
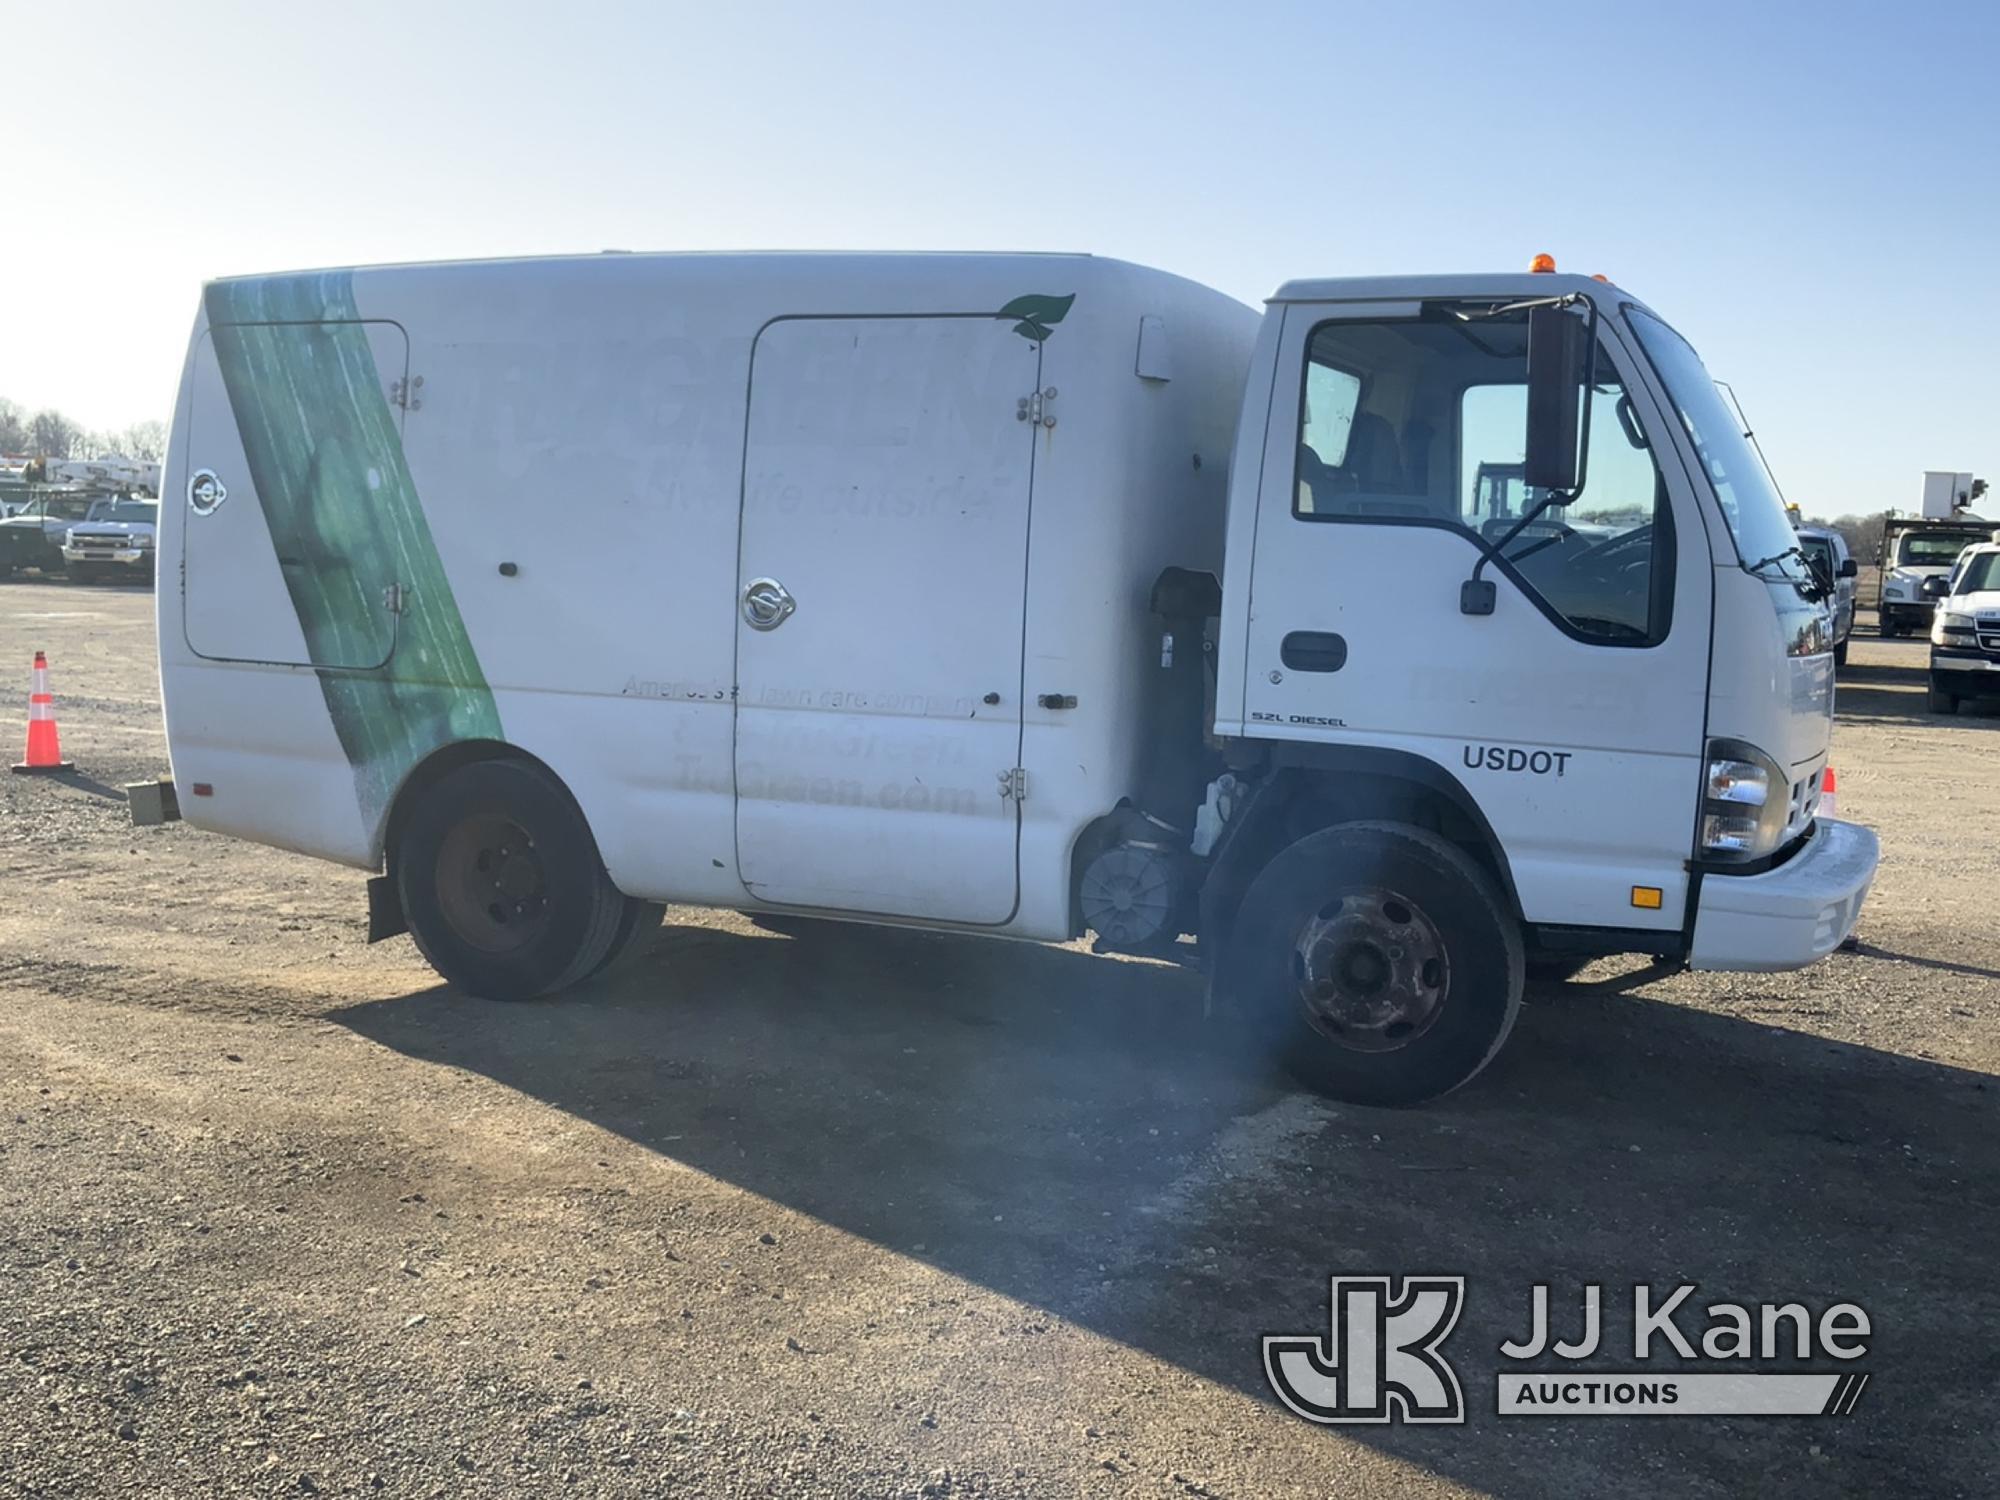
(316, 424)
(1038, 314)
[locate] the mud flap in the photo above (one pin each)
(385, 910)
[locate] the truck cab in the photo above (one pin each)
(1913, 552)
(1618, 703)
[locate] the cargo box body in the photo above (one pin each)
(788, 566)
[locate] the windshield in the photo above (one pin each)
(126, 510)
(1929, 549)
(1982, 572)
(1750, 503)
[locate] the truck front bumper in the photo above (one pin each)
(126, 557)
(1787, 917)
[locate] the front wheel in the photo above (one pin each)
(1840, 655)
(1943, 702)
(1382, 961)
(502, 884)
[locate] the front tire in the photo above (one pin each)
(1381, 960)
(502, 884)
(1942, 702)
(1840, 655)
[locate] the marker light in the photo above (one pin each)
(1600, 276)
(1542, 264)
(1647, 897)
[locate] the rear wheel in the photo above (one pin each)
(637, 927)
(1943, 702)
(1382, 961)
(502, 884)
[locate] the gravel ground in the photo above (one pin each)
(847, 1212)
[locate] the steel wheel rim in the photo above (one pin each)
(490, 884)
(1371, 971)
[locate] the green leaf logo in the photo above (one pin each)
(1037, 314)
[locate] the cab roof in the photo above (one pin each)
(1507, 284)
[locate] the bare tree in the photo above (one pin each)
(14, 435)
(144, 440)
(53, 435)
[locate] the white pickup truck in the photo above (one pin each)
(115, 537)
(1965, 636)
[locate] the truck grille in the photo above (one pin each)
(84, 543)
(1988, 630)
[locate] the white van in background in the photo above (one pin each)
(1410, 631)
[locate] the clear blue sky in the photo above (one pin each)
(1811, 192)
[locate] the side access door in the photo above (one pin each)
(881, 598)
(294, 462)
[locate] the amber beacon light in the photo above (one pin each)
(1543, 265)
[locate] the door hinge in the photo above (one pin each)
(1014, 784)
(1034, 407)
(394, 598)
(404, 393)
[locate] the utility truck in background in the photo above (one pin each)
(1368, 651)
(1915, 555)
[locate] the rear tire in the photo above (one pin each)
(502, 884)
(1381, 960)
(1943, 702)
(637, 928)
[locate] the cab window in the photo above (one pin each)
(1431, 426)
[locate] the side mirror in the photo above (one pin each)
(1849, 568)
(1935, 587)
(1557, 349)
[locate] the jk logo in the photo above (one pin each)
(1381, 1364)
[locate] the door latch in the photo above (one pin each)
(403, 393)
(1014, 784)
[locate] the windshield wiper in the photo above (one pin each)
(1810, 586)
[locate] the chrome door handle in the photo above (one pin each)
(767, 604)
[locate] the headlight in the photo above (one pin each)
(142, 540)
(1950, 629)
(1745, 805)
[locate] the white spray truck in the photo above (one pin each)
(1370, 649)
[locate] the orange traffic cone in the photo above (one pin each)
(1829, 794)
(44, 744)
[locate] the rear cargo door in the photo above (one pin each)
(880, 602)
(294, 442)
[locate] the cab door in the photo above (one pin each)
(881, 597)
(1572, 715)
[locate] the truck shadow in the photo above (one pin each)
(1068, 1131)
